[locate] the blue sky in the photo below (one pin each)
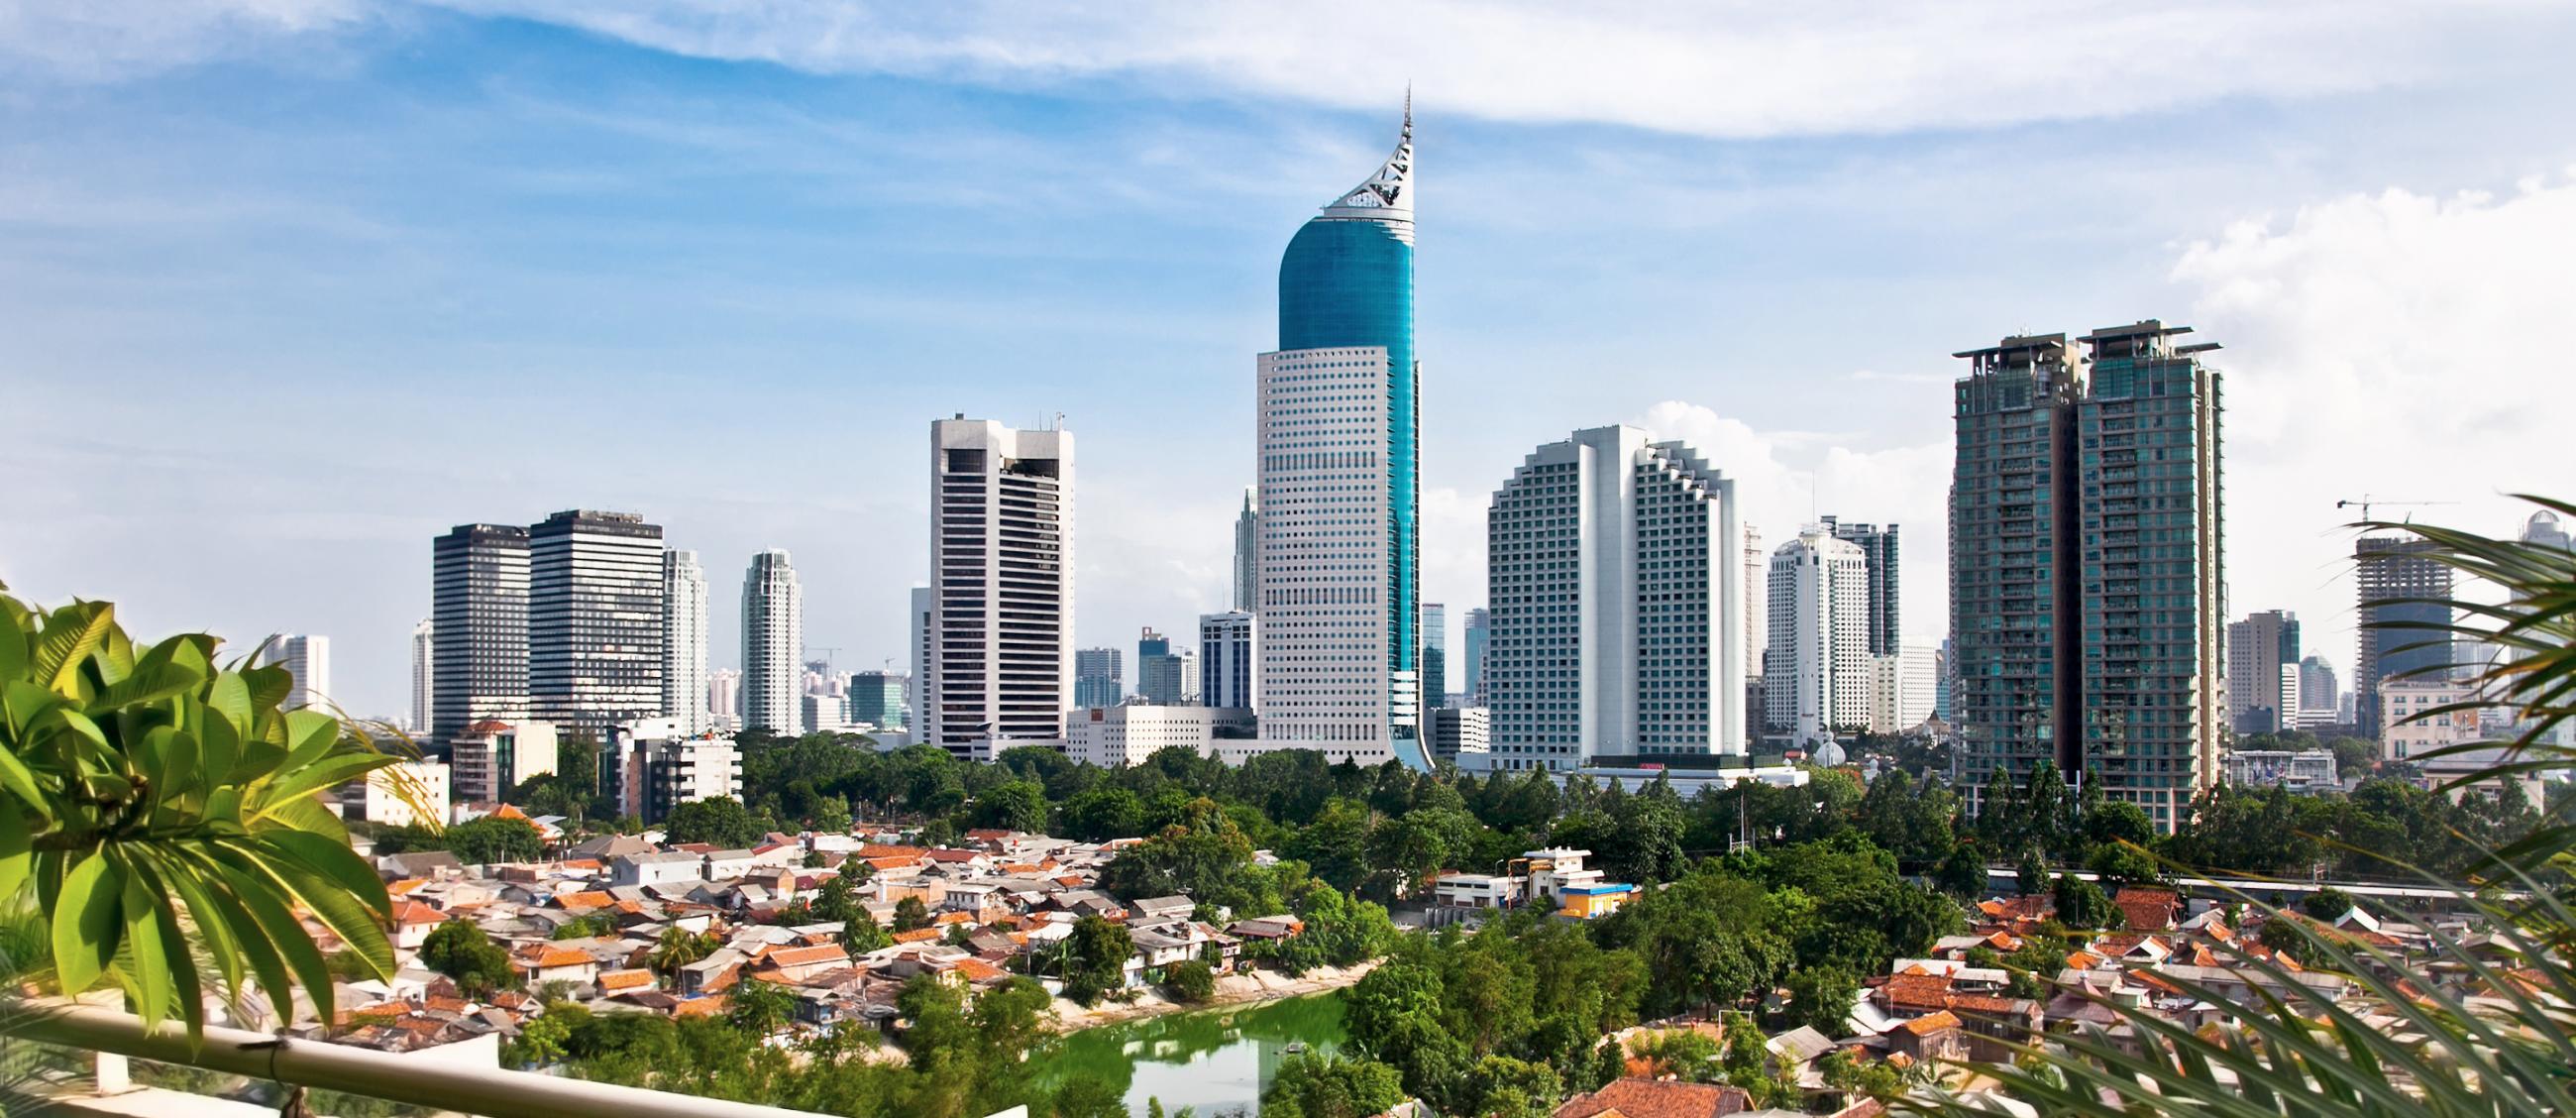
(289, 286)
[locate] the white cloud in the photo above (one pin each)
(2394, 345)
(1739, 68)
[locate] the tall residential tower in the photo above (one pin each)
(773, 639)
(1339, 514)
(1000, 663)
(684, 642)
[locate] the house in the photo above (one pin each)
(1656, 1098)
(2147, 910)
(1937, 1036)
(656, 869)
(712, 974)
(420, 863)
(541, 963)
(612, 983)
(1272, 928)
(1158, 910)
(413, 921)
(1476, 890)
(608, 848)
(1586, 902)
(1792, 1051)
(724, 865)
(795, 964)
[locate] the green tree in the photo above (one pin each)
(1192, 979)
(722, 822)
(1821, 998)
(1503, 1087)
(678, 948)
(153, 804)
(1085, 1096)
(2082, 904)
(1685, 1054)
(2327, 904)
(462, 951)
(491, 840)
(1020, 805)
(1312, 1086)
(760, 1007)
(541, 1040)
(910, 915)
(1096, 959)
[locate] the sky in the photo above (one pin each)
(289, 287)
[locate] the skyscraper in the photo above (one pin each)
(2545, 530)
(877, 698)
(479, 636)
(1611, 562)
(2401, 591)
(1339, 514)
(2258, 647)
(1229, 644)
(684, 642)
(918, 694)
(1247, 552)
(424, 657)
(2320, 692)
(1164, 675)
(1099, 677)
(724, 699)
(1480, 623)
(594, 620)
(308, 659)
(1818, 678)
(1878, 546)
(773, 640)
(2086, 563)
(1001, 554)
(1435, 655)
(1757, 602)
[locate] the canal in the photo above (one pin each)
(1215, 1061)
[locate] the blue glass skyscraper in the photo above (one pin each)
(1340, 514)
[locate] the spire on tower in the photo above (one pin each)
(1388, 194)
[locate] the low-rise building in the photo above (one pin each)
(1477, 890)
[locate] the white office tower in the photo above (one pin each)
(1902, 688)
(657, 768)
(594, 620)
(1818, 678)
(724, 699)
(1001, 554)
(1757, 600)
(684, 641)
(424, 658)
(308, 659)
(1614, 586)
(1247, 553)
(773, 639)
(1457, 730)
(914, 694)
(1229, 648)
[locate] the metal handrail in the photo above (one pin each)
(490, 1092)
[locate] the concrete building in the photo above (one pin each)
(479, 627)
(1612, 568)
(1229, 660)
(1164, 674)
(1129, 733)
(1479, 634)
(1434, 657)
(684, 641)
(918, 696)
(656, 767)
(1247, 552)
(405, 794)
(1879, 547)
(724, 699)
(877, 699)
(1903, 687)
(2399, 585)
(595, 620)
(1099, 677)
(1816, 677)
(308, 659)
(2320, 693)
(2304, 771)
(773, 643)
(492, 757)
(2258, 648)
(1339, 503)
(2405, 730)
(424, 683)
(1461, 730)
(2086, 560)
(1001, 554)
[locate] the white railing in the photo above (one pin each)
(490, 1092)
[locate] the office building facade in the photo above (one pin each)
(2259, 649)
(2401, 588)
(479, 628)
(1612, 571)
(2087, 564)
(1461, 730)
(1000, 663)
(1247, 552)
(595, 622)
(684, 641)
(1229, 652)
(1478, 635)
(1878, 546)
(877, 699)
(307, 658)
(492, 757)
(1816, 681)
(773, 644)
(1165, 675)
(1099, 677)
(1434, 657)
(1339, 512)
(424, 661)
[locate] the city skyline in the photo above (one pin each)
(2354, 284)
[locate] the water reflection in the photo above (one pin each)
(1216, 1061)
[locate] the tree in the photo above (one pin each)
(678, 948)
(541, 1040)
(2327, 904)
(462, 952)
(1096, 959)
(1085, 1096)
(910, 915)
(1017, 806)
(153, 803)
(1192, 979)
(722, 822)
(1685, 1054)
(2082, 904)
(760, 1007)
(1502, 1087)
(1821, 998)
(492, 839)
(1312, 1086)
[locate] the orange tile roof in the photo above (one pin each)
(414, 912)
(952, 918)
(625, 980)
(406, 885)
(701, 1007)
(581, 863)
(1981, 1003)
(916, 935)
(550, 956)
(977, 970)
(1931, 1023)
(1917, 990)
(801, 956)
(880, 850)
(1655, 1098)
(588, 898)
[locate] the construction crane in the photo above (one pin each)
(2367, 500)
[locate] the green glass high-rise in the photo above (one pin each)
(1339, 510)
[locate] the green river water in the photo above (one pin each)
(1216, 1061)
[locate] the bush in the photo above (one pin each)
(1192, 980)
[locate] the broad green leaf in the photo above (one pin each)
(15, 777)
(218, 747)
(13, 651)
(215, 882)
(228, 698)
(144, 950)
(71, 634)
(152, 679)
(266, 900)
(85, 922)
(17, 841)
(156, 884)
(334, 862)
(358, 925)
(23, 701)
(309, 735)
(269, 685)
(114, 657)
(330, 772)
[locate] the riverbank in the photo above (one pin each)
(1231, 990)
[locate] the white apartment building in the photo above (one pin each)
(1130, 732)
(1818, 678)
(1615, 585)
(684, 641)
(1000, 663)
(308, 659)
(424, 659)
(1460, 730)
(2401, 700)
(1901, 689)
(1229, 651)
(657, 768)
(724, 699)
(493, 756)
(388, 794)
(773, 645)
